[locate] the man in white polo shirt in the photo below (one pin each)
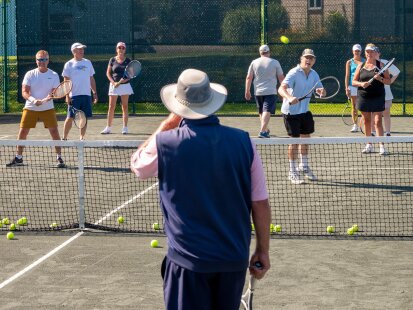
(37, 85)
(80, 71)
(264, 71)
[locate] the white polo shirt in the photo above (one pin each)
(393, 70)
(79, 72)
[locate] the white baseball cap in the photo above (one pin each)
(357, 47)
(264, 48)
(77, 45)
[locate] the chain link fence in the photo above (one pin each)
(220, 37)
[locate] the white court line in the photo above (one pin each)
(58, 248)
(4, 137)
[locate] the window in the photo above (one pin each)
(315, 4)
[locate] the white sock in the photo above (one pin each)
(292, 166)
(19, 156)
(304, 160)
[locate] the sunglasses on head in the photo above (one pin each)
(42, 59)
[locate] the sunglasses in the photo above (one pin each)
(121, 47)
(42, 59)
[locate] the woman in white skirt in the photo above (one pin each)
(116, 68)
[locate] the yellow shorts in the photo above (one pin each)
(30, 118)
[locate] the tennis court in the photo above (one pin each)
(99, 269)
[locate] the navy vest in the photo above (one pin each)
(204, 172)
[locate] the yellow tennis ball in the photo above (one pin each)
(272, 227)
(350, 231)
(278, 228)
(24, 220)
(10, 235)
(20, 222)
(12, 226)
(330, 229)
(154, 243)
(156, 226)
(6, 221)
(121, 219)
(284, 39)
(252, 227)
(1, 224)
(355, 227)
(53, 225)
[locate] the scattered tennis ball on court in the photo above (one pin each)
(1, 224)
(6, 221)
(12, 226)
(154, 243)
(252, 227)
(10, 235)
(278, 228)
(121, 220)
(156, 226)
(350, 231)
(53, 225)
(24, 220)
(355, 227)
(284, 39)
(20, 222)
(272, 228)
(330, 229)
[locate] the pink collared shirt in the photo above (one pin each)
(144, 163)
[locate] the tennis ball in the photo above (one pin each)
(53, 225)
(10, 235)
(121, 219)
(1, 224)
(350, 231)
(330, 229)
(278, 228)
(272, 228)
(156, 226)
(20, 222)
(12, 226)
(252, 227)
(284, 39)
(355, 227)
(24, 220)
(154, 243)
(6, 221)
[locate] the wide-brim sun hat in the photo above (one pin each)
(193, 97)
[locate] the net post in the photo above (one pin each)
(81, 183)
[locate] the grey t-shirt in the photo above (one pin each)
(265, 71)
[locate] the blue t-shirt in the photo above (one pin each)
(299, 84)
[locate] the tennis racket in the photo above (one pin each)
(387, 66)
(246, 299)
(79, 117)
(347, 116)
(331, 86)
(60, 91)
(132, 70)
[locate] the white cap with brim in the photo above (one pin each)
(357, 47)
(193, 97)
(77, 45)
(371, 48)
(264, 48)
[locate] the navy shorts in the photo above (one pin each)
(266, 103)
(299, 124)
(83, 103)
(188, 290)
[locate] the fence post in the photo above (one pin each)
(5, 60)
(264, 21)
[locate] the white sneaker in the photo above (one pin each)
(383, 150)
(307, 173)
(355, 128)
(106, 131)
(295, 177)
(368, 149)
(125, 131)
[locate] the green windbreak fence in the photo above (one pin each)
(220, 37)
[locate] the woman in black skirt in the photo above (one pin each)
(370, 96)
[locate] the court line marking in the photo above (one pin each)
(58, 248)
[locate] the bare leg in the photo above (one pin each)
(111, 110)
(354, 111)
(23, 132)
(66, 127)
(54, 133)
(387, 120)
(378, 123)
(265, 119)
(125, 114)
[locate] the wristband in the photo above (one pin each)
(31, 99)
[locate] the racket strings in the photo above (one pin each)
(62, 90)
(80, 119)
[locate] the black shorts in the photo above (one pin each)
(299, 124)
(266, 103)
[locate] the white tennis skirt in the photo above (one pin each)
(122, 89)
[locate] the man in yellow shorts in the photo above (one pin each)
(37, 85)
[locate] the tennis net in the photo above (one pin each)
(373, 191)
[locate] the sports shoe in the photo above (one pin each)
(383, 150)
(295, 177)
(106, 131)
(60, 163)
(264, 134)
(388, 134)
(368, 148)
(15, 162)
(125, 131)
(355, 128)
(307, 173)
